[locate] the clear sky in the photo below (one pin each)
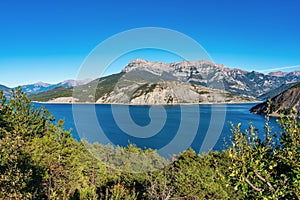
(47, 40)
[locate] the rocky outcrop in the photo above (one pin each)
(63, 100)
(169, 92)
(214, 75)
(286, 102)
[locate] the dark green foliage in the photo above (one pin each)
(52, 94)
(40, 160)
(22, 119)
(96, 88)
(193, 176)
(268, 168)
(130, 159)
(297, 85)
(107, 84)
(20, 123)
(144, 89)
(19, 179)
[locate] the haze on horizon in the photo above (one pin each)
(48, 40)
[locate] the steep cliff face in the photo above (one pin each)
(286, 102)
(168, 92)
(210, 74)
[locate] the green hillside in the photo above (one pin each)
(52, 94)
(284, 103)
(103, 86)
(277, 91)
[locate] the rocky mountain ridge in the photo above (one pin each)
(132, 88)
(277, 91)
(40, 87)
(146, 82)
(43, 87)
(213, 75)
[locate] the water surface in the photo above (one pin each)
(170, 116)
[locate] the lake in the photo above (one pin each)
(169, 129)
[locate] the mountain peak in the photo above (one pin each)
(140, 64)
(42, 84)
(72, 82)
(278, 73)
(139, 60)
(144, 61)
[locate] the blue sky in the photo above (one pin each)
(48, 40)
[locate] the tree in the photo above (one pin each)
(19, 178)
(267, 167)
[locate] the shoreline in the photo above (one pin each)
(125, 104)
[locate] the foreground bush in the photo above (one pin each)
(40, 160)
(193, 176)
(269, 167)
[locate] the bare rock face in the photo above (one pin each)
(286, 102)
(63, 100)
(252, 84)
(169, 92)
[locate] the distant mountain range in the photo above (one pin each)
(43, 87)
(6, 90)
(131, 88)
(285, 102)
(277, 91)
(142, 81)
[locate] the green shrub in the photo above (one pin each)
(39, 159)
(267, 168)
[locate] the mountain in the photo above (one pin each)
(71, 83)
(83, 92)
(6, 90)
(37, 87)
(43, 87)
(287, 101)
(278, 73)
(52, 94)
(142, 81)
(139, 87)
(169, 92)
(213, 75)
(277, 91)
